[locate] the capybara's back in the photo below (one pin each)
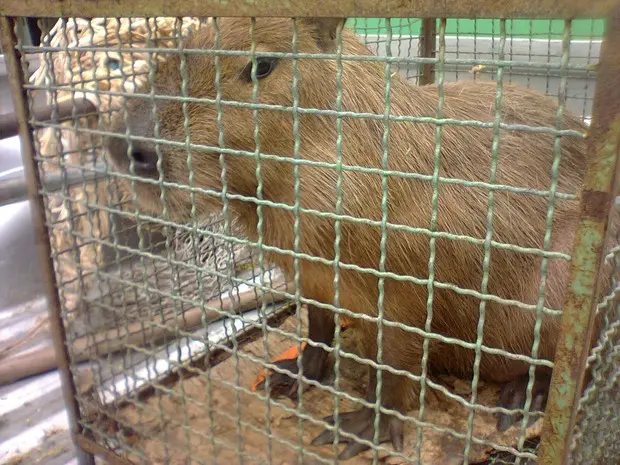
(447, 185)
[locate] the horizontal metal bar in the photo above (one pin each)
(85, 443)
(543, 65)
(33, 63)
(15, 188)
(528, 9)
(64, 110)
(179, 353)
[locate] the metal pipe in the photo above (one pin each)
(15, 188)
(597, 202)
(8, 39)
(41, 113)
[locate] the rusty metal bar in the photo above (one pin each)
(428, 41)
(65, 110)
(580, 303)
(527, 9)
(100, 451)
(8, 39)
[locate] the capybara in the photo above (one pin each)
(435, 213)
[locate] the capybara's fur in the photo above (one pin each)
(525, 159)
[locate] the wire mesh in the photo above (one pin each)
(175, 309)
(526, 41)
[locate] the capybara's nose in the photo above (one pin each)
(144, 160)
(143, 157)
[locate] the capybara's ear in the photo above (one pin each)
(325, 30)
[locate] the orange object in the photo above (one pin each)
(292, 353)
(288, 354)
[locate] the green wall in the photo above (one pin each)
(539, 29)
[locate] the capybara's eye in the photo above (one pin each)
(264, 67)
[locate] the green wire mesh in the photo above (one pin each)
(526, 41)
(119, 267)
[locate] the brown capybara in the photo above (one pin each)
(455, 266)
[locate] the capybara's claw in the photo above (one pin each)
(281, 384)
(361, 424)
(513, 396)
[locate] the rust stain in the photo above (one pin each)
(526, 9)
(595, 205)
(604, 139)
(602, 149)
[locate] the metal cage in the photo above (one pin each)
(161, 324)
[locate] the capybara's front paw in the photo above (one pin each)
(513, 396)
(314, 362)
(361, 423)
(281, 384)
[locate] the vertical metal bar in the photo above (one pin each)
(17, 80)
(597, 200)
(428, 38)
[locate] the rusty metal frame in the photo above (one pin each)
(428, 40)
(513, 9)
(92, 447)
(8, 39)
(597, 200)
(597, 205)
